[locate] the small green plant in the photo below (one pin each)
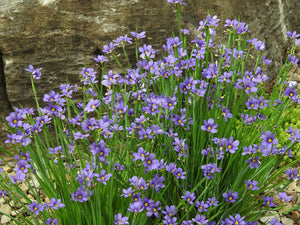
(185, 139)
(284, 132)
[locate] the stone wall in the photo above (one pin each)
(64, 35)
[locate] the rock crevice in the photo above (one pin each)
(5, 105)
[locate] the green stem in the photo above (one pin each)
(35, 96)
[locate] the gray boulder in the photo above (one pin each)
(62, 36)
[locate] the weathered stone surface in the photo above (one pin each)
(293, 187)
(287, 221)
(267, 218)
(6, 209)
(24, 187)
(63, 35)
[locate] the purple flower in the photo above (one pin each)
(51, 221)
(22, 166)
(226, 113)
(67, 90)
(150, 163)
(3, 194)
(212, 201)
(209, 126)
(56, 203)
(14, 120)
(136, 207)
(266, 61)
(293, 35)
(139, 183)
(251, 223)
(185, 31)
(170, 211)
(36, 208)
(295, 135)
(120, 220)
(227, 221)
(189, 197)
(146, 203)
(172, 43)
(120, 41)
(36, 73)
(290, 92)
(251, 185)
(127, 192)
(99, 149)
(51, 97)
(250, 87)
(269, 201)
(88, 76)
(231, 145)
(81, 195)
(85, 177)
(42, 120)
(103, 177)
(108, 48)
(147, 51)
(189, 222)
(145, 133)
(200, 219)
(154, 209)
(180, 146)
(179, 120)
(176, 2)
(242, 28)
(179, 173)
(210, 72)
(92, 105)
(247, 119)
(171, 168)
(292, 174)
(101, 59)
(268, 139)
(170, 221)
(237, 220)
(54, 109)
(20, 177)
(230, 196)
(138, 35)
(120, 109)
(201, 206)
(237, 54)
(254, 162)
(118, 166)
(56, 150)
(209, 170)
(140, 154)
(284, 197)
(231, 23)
(157, 182)
(274, 221)
(23, 156)
(259, 45)
(225, 77)
(252, 103)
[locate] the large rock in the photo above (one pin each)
(64, 35)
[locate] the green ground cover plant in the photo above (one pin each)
(184, 136)
(290, 123)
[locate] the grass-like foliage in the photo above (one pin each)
(184, 138)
